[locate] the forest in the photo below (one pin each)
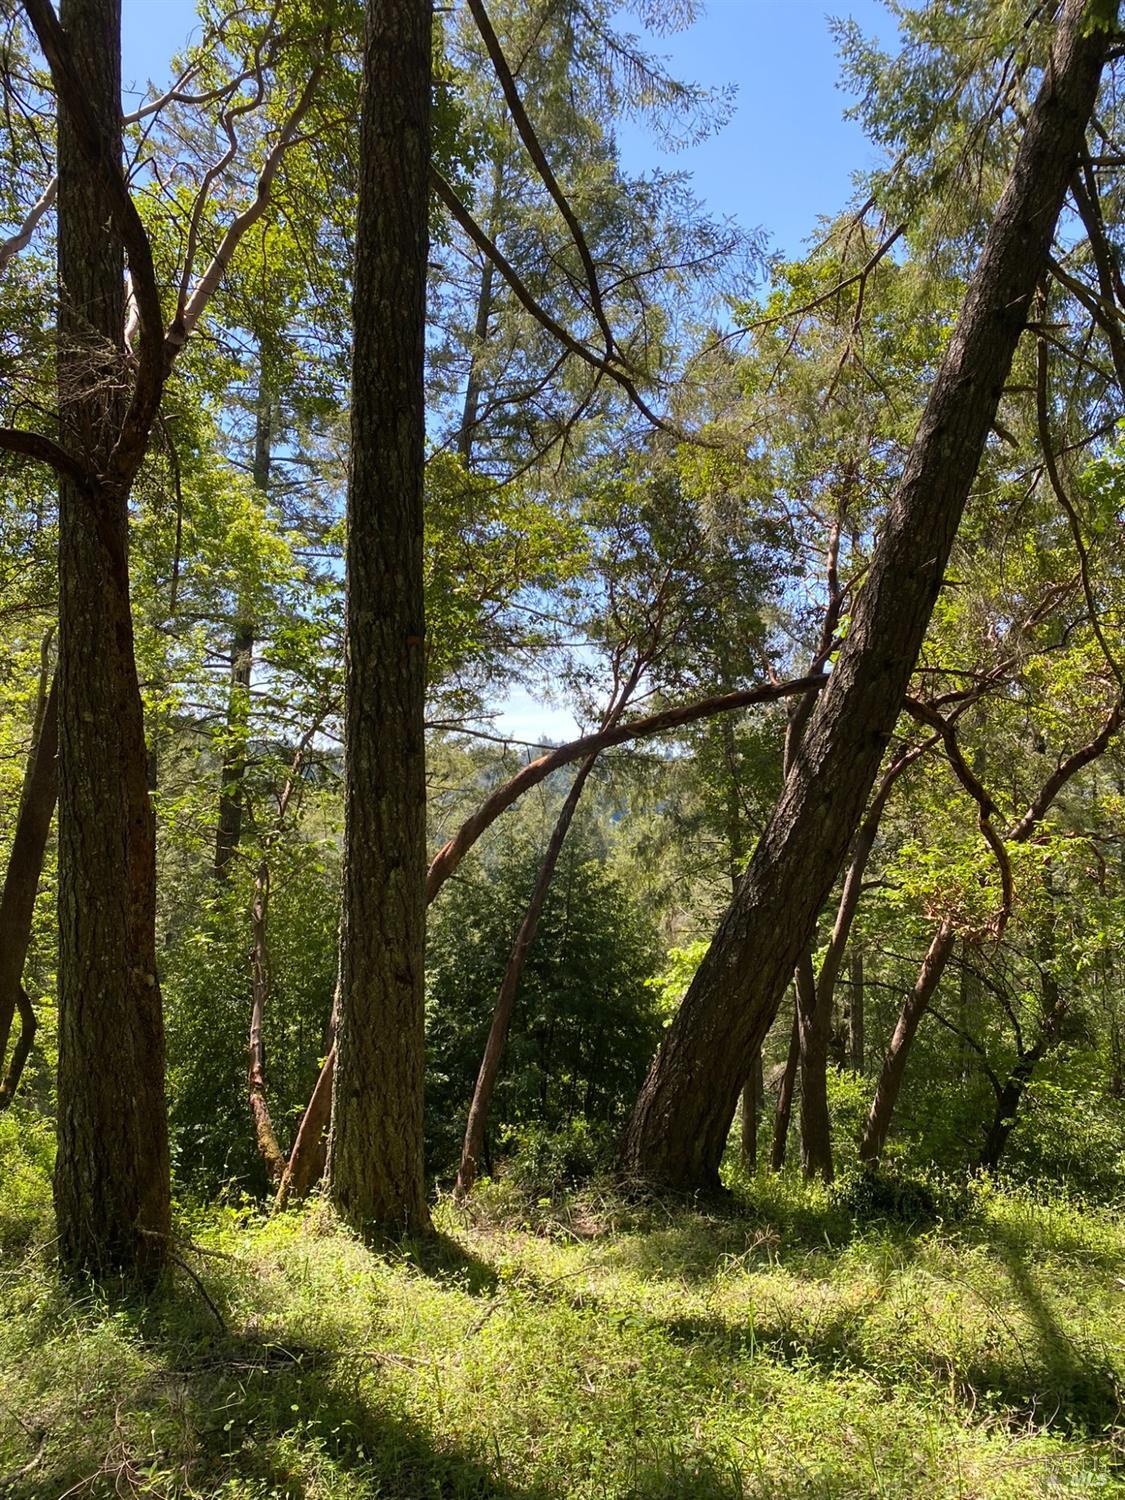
(708, 1081)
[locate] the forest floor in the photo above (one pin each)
(789, 1345)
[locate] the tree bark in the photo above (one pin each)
(25, 866)
(812, 1020)
(112, 1195)
(682, 1117)
(21, 1051)
(893, 1070)
(753, 1094)
(784, 1107)
(375, 1153)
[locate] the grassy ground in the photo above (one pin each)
(788, 1347)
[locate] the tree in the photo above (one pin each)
(375, 1154)
(679, 1127)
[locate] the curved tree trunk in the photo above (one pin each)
(112, 1192)
(375, 1153)
(21, 1051)
(683, 1114)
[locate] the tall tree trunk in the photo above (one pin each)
(25, 867)
(232, 777)
(784, 1107)
(112, 1190)
(893, 1070)
(375, 1154)
(473, 1144)
(679, 1125)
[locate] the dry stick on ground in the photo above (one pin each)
(306, 1157)
(889, 1084)
(679, 1127)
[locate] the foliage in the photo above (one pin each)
(584, 1023)
(782, 1348)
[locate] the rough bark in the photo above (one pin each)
(682, 1117)
(111, 1175)
(25, 866)
(375, 1153)
(302, 1166)
(889, 1086)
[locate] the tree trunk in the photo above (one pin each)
(752, 1096)
(855, 1012)
(784, 1107)
(112, 1190)
(375, 1154)
(679, 1125)
(21, 1051)
(813, 1018)
(25, 866)
(894, 1064)
(232, 776)
(264, 1133)
(473, 1145)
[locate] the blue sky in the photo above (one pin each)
(786, 157)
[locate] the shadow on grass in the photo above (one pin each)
(235, 1412)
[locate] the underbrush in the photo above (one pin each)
(790, 1342)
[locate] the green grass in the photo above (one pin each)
(585, 1348)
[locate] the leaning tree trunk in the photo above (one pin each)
(375, 1154)
(21, 882)
(893, 1070)
(682, 1117)
(111, 1175)
(473, 1144)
